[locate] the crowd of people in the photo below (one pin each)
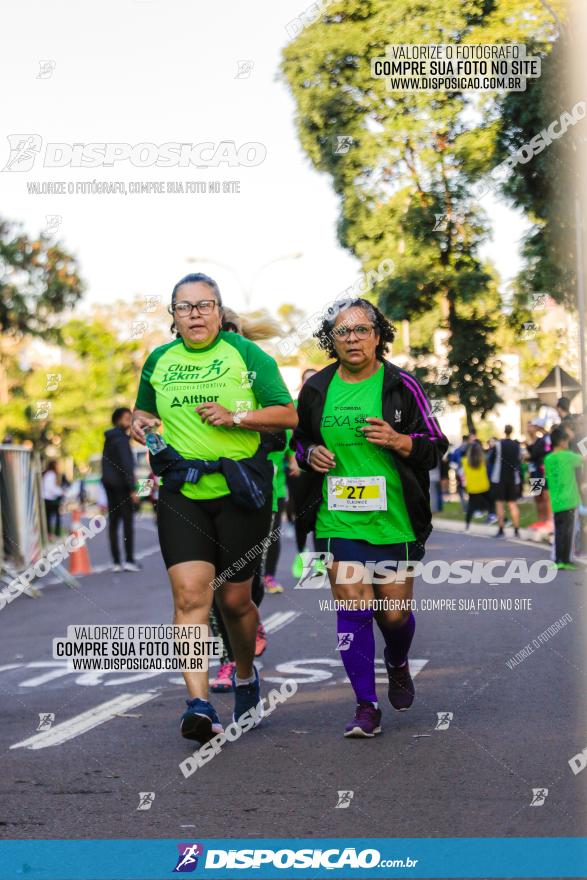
(548, 464)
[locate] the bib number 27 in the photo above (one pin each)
(357, 493)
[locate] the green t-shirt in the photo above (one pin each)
(560, 468)
(347, 406)
(232, 371)
(279, 480)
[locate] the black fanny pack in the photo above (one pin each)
(250, 480)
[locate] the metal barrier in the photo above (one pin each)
(21, 503)
(23, 523)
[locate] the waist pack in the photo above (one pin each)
(250, 480)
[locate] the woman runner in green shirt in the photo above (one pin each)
(213, 392)
(367, 431)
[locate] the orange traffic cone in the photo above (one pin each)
(79, 558)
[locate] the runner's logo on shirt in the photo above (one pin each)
(354, 423)
(194, 398)
(194, 373)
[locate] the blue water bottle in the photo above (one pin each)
(155, 442)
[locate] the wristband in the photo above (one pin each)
(309, 453)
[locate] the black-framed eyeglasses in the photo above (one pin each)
(361, 331)
(184, 308)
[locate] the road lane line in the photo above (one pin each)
(79, 724)
(59, 669)
(280, 619)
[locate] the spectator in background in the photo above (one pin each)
(82, 496)
(444, 476)
(504, 466)
(279, 503)
(118, 479)
(537, 447)
(456, 459)
(476, 482)
(570, 422)
(563, 408)
(52, 496)
(563, 471)
(435, 489)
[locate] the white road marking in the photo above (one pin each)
(86, 721)
(53, 673)
(302, 673)
(279, 620)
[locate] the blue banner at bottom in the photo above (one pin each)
(484, 857)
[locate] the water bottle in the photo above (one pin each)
(155, 442)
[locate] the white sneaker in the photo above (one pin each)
(116, 567)
(132, 566)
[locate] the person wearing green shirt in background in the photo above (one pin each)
(279, 503)
(563, 471)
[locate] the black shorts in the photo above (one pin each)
(506, 490)
(216, 531)
(349, 550)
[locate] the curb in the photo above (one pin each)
(530, 537)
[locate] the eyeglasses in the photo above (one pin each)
(203, 307)
(361, 331)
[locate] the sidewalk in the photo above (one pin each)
(527, 536)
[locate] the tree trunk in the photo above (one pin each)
(470, 423)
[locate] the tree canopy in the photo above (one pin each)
(405, 178)
(39, 280)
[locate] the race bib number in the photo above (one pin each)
(357, 493)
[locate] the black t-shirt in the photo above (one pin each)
(505, 462)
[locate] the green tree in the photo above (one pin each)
(38, 281)
(412, 161)
(98, 372)
(543, 184)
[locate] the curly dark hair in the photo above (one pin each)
(382, 326)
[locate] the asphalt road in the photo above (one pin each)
(512, 729)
